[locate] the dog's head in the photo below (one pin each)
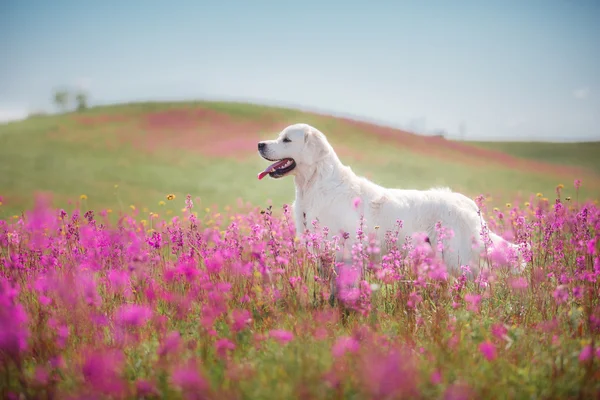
(296, 147)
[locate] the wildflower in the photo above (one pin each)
(223, 346)
(538, 194)
(344, 345)
(189, 380)
(133, 315)
(527, 204)
(473, 300)
(488, 350)
(356, 202)
(568, 198)
(282, 336)
(241, 319)
(561, 294)
(116, 186)
(102, 371)
(577, 183)
(161, 203)
(586, 353)
(83, 197)
(170, 197)
(508, 205)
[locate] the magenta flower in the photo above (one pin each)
(561, 294)
(189, 380)
(586, 353)
(133, 315)
(102, 371)
(473, 301)
(241, 319)
(170, 344)
(488, 350)
(281, 336)
(223, 346)
(343, 345)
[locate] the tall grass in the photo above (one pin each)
(228, 305)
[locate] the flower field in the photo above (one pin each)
(230, 304)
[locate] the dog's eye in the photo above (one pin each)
(286, 140)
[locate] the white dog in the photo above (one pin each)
(326, 191)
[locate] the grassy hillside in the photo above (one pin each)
(136, 154)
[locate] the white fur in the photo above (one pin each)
(326, 190)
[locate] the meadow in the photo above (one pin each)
(141, 258)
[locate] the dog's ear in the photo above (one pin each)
(317, 144)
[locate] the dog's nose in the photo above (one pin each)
(261, 146)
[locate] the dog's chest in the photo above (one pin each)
(306, 214)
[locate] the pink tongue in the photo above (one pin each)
(271, 168)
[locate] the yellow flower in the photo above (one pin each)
(207, 209)
(496, 209)
(560, 186)
(0, 203)
(161, 203)
(116, 186)
(527, 204)
(171, 196)
(109, 211)
(132, 207)
(183, 209)
(153, 215)
(83, 197)
(545, 199)
(144, 222)
(539, 194)
(508, 205)
(169, 212)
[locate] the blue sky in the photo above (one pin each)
(503, 69)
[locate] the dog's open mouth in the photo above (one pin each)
(279, 168)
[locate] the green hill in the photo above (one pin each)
(208, 149)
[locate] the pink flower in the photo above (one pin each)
(189, 380)
(133, 315)
(241, 319)
(577, 183)
(586, 353)
(102, 370)
(488, 350)
(356, 202)
(223, 346)
(561, 294)
(345, 344)
(436, 377)
(473, 301)
(170, 344)
(282, 336)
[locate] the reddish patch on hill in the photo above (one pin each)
(466, 153)
(99, 119)
(203, 130)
